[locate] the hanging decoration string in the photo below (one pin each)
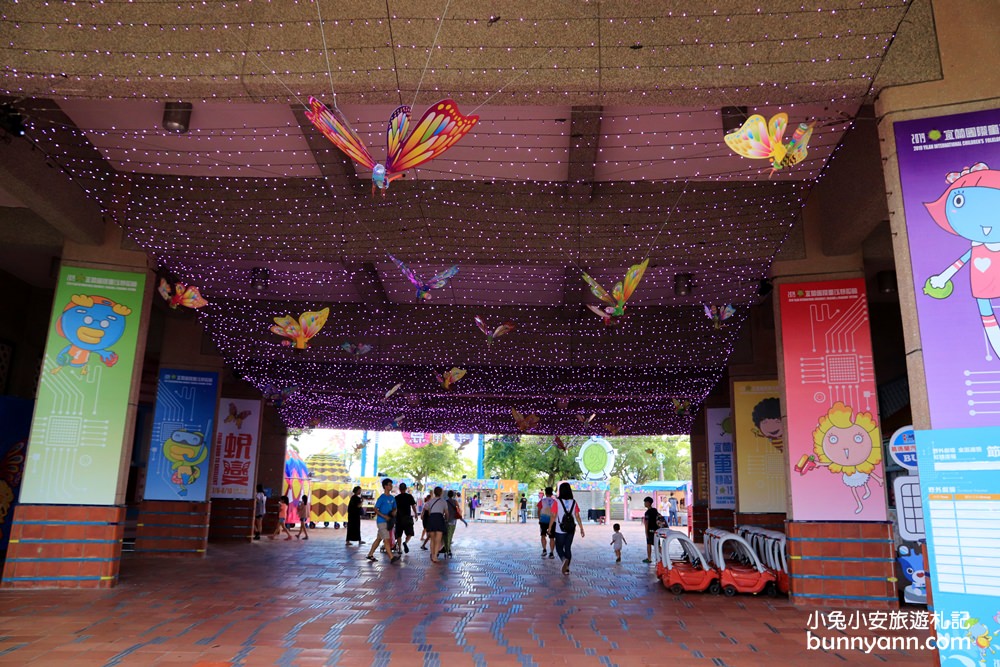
(326, 54)
(430, 52)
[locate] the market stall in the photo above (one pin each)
(593, 497)
(498, 498)
(660, 492)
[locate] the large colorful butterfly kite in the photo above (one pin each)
(438, 130)
(620, 293)
(762, 140)
(298, 334)
(181, 295)
(493, 334)
(719, 314)
(424, 288)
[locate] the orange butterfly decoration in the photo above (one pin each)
(612, 429)
(181, 295)
(298, 334)
(440, 127)
(525, 423)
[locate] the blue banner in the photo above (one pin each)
(183, 429)
(960, 488)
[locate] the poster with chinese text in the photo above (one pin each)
(761, 477)
(721, 476)
(236, 441)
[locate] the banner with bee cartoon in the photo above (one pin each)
(180, 447)
(236, 441)
(78, 429)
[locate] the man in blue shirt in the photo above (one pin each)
(385, 514)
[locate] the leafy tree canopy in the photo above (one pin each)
(430, 462)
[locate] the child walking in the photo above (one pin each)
(617, 540)
(303, 518)
(282, 518)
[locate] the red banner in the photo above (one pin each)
(833, 440)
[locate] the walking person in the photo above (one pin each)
(524, 508)
(546, 514)
(672, 512)
(259, 509)
(354, 517)
(385, 511)
(424, 535)
(282, 519)
(406, 508)
(454, 516)
(617, 540)
(303, 518)
(649, 523)
(435, 515)
(566, 520)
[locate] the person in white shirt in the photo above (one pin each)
(564, 527)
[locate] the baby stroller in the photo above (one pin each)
(740, 570)
(681, 566)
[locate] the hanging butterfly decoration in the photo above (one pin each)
(394, 424)
(651, 452)
(585, 420)
(298, 334)
(355, 350)
(681, 408)
(273, 395)
(561, 444)
(181, 295)
(620, 293)
(424, 288)
(440, 127)
(295, 433)
(760, 140)
(492, 335)
(449, 378)
(393, 390)
(612, 429)
(361, 445)
(719, 314)
(524, 423)
(236, 417)
(314, 423)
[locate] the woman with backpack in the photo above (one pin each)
(564, 527)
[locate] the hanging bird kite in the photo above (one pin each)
(719, 314)
(299, 333)
(438, 130)
(620, 293)
(760, 140)
(449, 379)
(491, 336)
(525, 423)
(393, 390)
(181, 295)
(424, 288)
(356, 350)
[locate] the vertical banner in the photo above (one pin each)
(183, 426)
(950, 172)
(960, 485)
(761, 476)
(78, 430)
(236, 441)
(721, 475)
(834, 445)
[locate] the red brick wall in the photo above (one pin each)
(232, 519)
(842, 564)
(172, 528)
(64, 546)
(773, 520)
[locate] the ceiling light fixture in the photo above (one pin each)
(683, 284)
(177, 116)
(259, 276)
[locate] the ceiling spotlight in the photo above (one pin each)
(886, 282)
(177, 116)
(259, 278)
(764, 287)
(682, 284)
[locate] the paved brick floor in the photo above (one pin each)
(320, 603)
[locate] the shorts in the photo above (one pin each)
(436, 523)
(650, 537)
(404, 527)
(543, 528)
(383, 532)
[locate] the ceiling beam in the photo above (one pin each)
(368, 284)
(337, 168)
(584, 142)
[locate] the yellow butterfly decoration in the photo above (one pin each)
(297, 334)
(760, 140)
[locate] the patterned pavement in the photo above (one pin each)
(497, 602)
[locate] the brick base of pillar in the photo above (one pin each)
(231, 520)
(842, 564)
(724, 519)
(172, 528)
(64, 546)
(770, 520)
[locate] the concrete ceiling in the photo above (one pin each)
(600, 142)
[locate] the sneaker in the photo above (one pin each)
(256, 537)
(424, 547)
(406, 547)
(551, 555)
(306, 537)
(371, 558)
(544, 553)
(646, 560)
(618, 560)
(394, 559)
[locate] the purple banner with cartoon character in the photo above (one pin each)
(949, 167)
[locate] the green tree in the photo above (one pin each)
(638, 458)
(431, 462)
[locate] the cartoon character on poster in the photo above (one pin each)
(767, 422)
(186, 451)
(967, 208)
(91, 324)
(848, 444)
(912, 564)
(982, 638)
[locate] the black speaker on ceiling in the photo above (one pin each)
(177, 116)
